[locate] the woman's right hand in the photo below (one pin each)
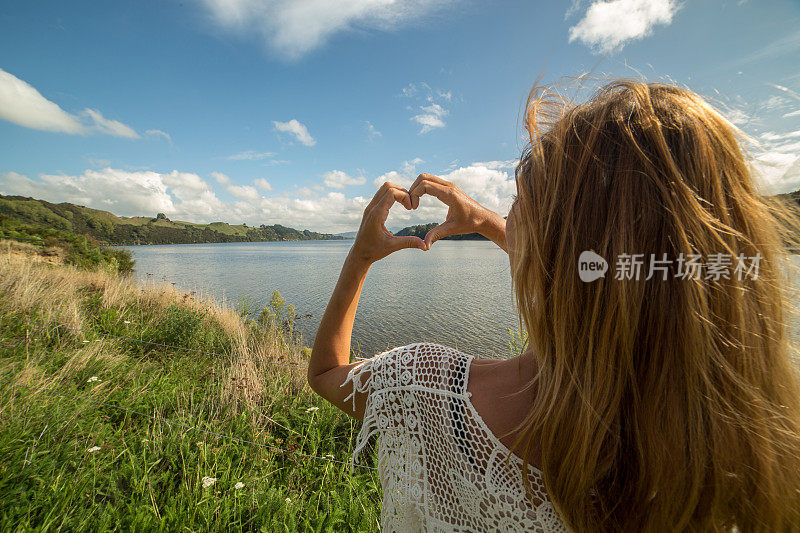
(464, 215)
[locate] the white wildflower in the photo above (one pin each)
(92, 379)
(312, 409)
(126, 321)
(239, 485)
(288, 500)
(85, 342)
(208, 481)
(93, 449)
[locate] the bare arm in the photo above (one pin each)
(330, 357)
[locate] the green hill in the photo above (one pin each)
(110, 229)
(422, 229)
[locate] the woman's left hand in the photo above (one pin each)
(374, 241)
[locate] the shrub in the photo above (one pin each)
(78, 250)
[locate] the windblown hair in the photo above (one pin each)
(659, 404)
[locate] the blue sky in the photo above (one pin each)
(291, 111)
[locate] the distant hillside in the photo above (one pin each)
(421, 230)
(110, 229)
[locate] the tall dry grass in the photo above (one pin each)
(55, 295)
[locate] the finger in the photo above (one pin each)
(440, 191)
(444, 229)
(398, 243)
(415, 199)
(390, 196)
(424, 177)
(433, 177)
(380, 193)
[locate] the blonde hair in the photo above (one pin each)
(660, 404)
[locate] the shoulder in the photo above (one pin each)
(421, 364)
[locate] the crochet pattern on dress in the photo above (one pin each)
(441, 468)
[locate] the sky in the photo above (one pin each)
(295, 111)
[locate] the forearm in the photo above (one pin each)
(329, 366)
(332, 342)
(493, 227)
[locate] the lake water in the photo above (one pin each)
(458, 293)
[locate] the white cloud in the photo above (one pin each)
(243, 192)
(371, 131)
(792, 114)
(337, 179)
(498, 165)
(430, 118)
(110, 127)
(222, 179)
(776, 160)
(774, 103)
(404, 176)
(178, 194)
(293, 28)
(262, 184)
(608, 25)
(251, 155)
(735, 115)
(159, 133)
(97, 161)
(186, 196)
(23, 105)
(574, 6)
(430, 111)
(491, 186)
(773, 155)
(298, 129)
(771, 136)
(780, 171)
(411, 90)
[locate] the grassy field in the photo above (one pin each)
(76, 465)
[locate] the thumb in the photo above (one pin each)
(445, 229)
(398, 243)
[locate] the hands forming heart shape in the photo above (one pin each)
(374, 241)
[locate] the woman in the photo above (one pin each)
(657, 395)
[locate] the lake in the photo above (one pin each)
(457, 294)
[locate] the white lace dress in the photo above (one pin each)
(441, 468)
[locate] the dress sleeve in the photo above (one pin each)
(384, 379)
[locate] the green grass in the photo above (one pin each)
(76, 250)
(147, 475)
